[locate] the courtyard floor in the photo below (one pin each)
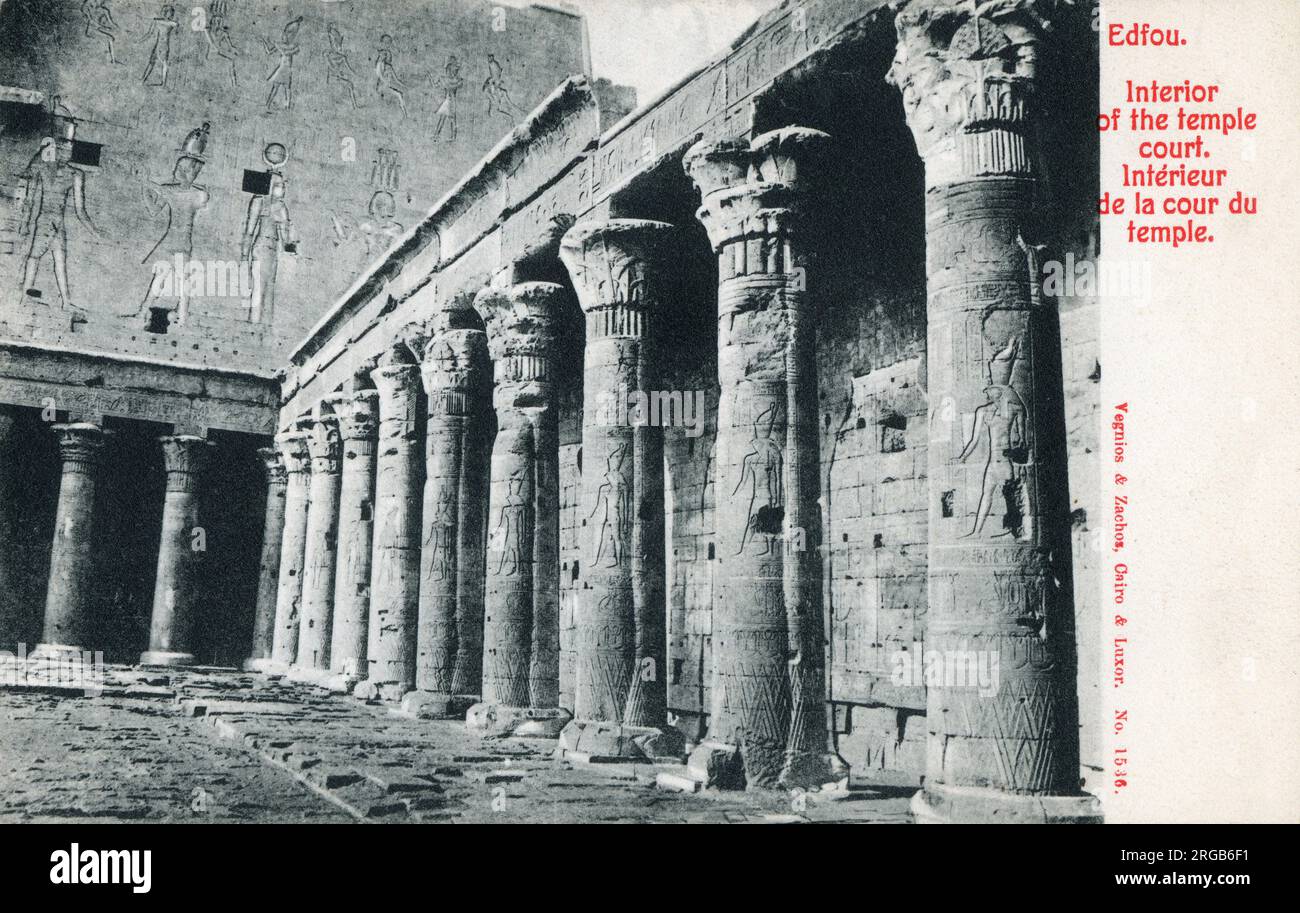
(207, 745)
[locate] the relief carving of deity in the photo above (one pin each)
(99, 20)
(441, 539)
(281, 78)
(161, 28)
(508, 535)
(1000, 431)
(53, 190)
(762, 476)
(614, 505)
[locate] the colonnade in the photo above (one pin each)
(416, 557)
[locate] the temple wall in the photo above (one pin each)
(349, 95)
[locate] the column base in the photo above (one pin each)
(594, 740)
(942, 804)
(812, 770)
(429, 705)
(165, 658)
(374, 692)
(718, 765)
(520, 722)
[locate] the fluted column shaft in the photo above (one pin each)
(617, 269)
(321, 553)
(521, 617)
(268, 579)
(69, 594)
(450, 642)
(769, 687)
(171, 632)
(395, 570)
(999, 538)
(358, 415)
(293, 546)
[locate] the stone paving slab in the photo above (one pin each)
(223, 746)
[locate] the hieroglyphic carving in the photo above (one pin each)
(339, 65)
(54, 189)
(999, 428)
(498, 94)
(182, 199)
(450, 82)
(762, 480)
(219, 39)
(98, 16)
(375, 233)
(386, 171)
(279, 96)
(268, 231)
(386, 80)
(161, 28)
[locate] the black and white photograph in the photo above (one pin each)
(623, 411)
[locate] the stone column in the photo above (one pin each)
(171, 632)
(358, 415)
(313, 660)
(521, 631)
(769, 690)
(12, 613)
(450, 642)
(395, 570)
(68, 597)
(999, 533)
(620, 699)
(268, 580)
(293, 548)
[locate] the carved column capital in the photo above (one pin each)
(273, 466)
(755, 190)
(323, 441)
(395, 380)
(967, 76)
(80, 445)
(357, 414)
(452, 370)
(521, 328)
(184, 456)
(616, 267)
(293, 452)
